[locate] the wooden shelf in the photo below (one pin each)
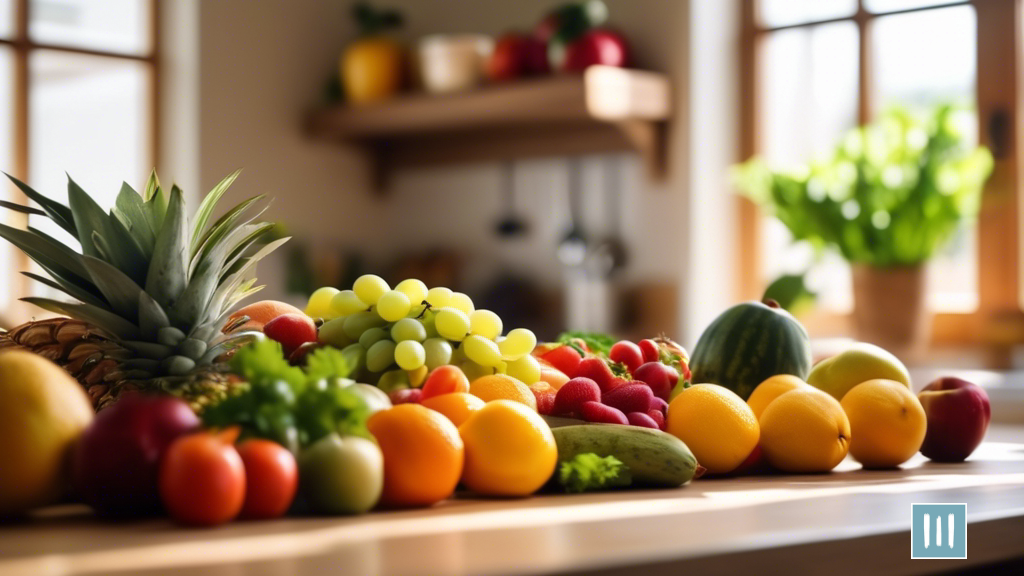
(605, 109)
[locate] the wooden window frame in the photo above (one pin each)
(998, 323)
(22, 46)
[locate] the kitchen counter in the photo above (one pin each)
(849, 521)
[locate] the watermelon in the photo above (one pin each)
(749, 343)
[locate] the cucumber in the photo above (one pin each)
(559, 421)
(654, 458)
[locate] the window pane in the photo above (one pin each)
(6, 18)
(112, 25)
(89, 118)
(773, 13)
(6, 160)
(923, 59)
(810, 83)
(893, 5)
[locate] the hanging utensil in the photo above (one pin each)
(609, 254)
(510, 224)
(572, 250)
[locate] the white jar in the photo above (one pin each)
(452, 63)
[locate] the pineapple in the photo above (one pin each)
(151, 293)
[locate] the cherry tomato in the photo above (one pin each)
(627, 353)
(445, 380)
(202, 478)
(650, 350)
(271, 478)
(565, 358)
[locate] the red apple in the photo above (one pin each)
(115, 464)
(597, 46)
(515, 56)
(958, 413)
(291, 330)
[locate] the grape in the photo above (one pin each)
(346, 302)
(355, 354)
(472, 370)
(333, 333)
(418, 376)
(369, 288)
(360, 322)
(393, 306)
(485, 323)
(429, 325)
(393, 380)
(517, 343)
(439, 297)
(481, 350)
(414, 290)
(380, 356)
(372, 336)
(319, 305)
(452, 324)
(409, 355)
(526, 369)
(462, 302)
(438, 352)
(408, 329)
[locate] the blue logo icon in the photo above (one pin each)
(938, 531)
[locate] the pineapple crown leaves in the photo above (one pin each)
(142, 266)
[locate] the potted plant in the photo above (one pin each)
(888, 198)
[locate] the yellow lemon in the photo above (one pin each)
(859, 363)
(771, 389)
(43, 412)
(502, 387)
(510, 450)
(716, 424)
(804, 430)
(887, 421)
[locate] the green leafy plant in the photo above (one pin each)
(892, 193)
(592, 472)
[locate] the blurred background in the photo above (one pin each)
(568, 166)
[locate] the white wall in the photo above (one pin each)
(261, 66)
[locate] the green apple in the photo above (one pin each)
(859, 363)
(341, 475)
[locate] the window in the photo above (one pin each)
(77, 95)
(814, 69)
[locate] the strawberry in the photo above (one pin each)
(658, 404)
(564, 358)
(633, 397)
(659, 418)
(597, 412)
(573, 394)
(596, 370)
(642, 420)
(545, 402)
(650, 349)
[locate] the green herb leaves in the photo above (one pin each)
(589, 471)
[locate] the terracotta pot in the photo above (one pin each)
(890, 307)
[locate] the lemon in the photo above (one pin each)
(804, 430)
(510, 450)
(887, 421)
(771, 389)
(42, 413)
(859, 363)
(716, 424)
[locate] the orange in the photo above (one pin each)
(510, 450)
(887, 422)
(553, 376)
(716, 424)
(805, 430)
(423, 454)
(261, 312)
(502, 387)
(771, 389)
(456, 406)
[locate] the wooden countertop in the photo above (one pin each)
(849, 521)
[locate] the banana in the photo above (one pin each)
(654, 458)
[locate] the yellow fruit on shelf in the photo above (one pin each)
(510, 450)
(859, 363)
(804, 430)
(887, 421)
(43, 412)
(456, 406)
(771, 389)
(502, 387)
(372, 69)
(716, 424)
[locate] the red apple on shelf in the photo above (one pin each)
(958, 413)
(516, 56)
(597, 46)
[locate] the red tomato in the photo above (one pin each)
(627, 353)
(202, 478)
(650, 350)
(271, 478)
(565, 358)
(445, 380)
